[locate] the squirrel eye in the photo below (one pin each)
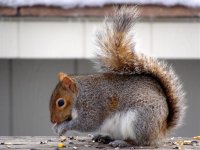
(61, 102)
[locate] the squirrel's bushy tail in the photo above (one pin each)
(117, 55)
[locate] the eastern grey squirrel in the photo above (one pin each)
(134, 99)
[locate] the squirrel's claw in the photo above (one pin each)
(59, 128)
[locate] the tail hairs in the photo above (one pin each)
(116, 54)
(115, 40)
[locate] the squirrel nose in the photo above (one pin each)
(54, 120)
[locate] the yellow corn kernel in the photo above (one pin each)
(187, 142)
(180, 144)
(61, 145)
(196, 137)
(62, 138)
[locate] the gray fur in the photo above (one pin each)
(92, 102)
(139, 83)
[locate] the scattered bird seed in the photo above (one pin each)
(62, 138)
(187, 142)
(99, 147)
(196, 137)
(180, 144)
(71, 143)
(174, 143)
(194, 143)
(61, 145)
(81, 140)
(71, 138)
(87, 145)
(145, 147)
(7, 143)
(75, 147)
(44, 142)
(90, 135)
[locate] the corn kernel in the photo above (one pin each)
(62, 138)
(61, 145)
(180, 144)
(187, 142)
(196, 137)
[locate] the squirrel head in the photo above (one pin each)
(62, 98)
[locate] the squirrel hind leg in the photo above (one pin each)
(148, 128)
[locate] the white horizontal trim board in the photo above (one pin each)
(176, 40)
(90, 29)
(64, 38)
(142, 32)
(51, 39)
(8, 39)
(142, 38)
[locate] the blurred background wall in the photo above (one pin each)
(26, 86)
(34, 49)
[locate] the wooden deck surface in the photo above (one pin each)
(80, 143)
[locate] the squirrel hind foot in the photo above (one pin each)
(120, 144)
(102, 139)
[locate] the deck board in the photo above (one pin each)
(79, 143)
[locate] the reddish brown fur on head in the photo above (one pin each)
(64, 94)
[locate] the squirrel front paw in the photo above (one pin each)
(59, 129)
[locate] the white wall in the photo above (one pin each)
(74, 38)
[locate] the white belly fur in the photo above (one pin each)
(120, 126)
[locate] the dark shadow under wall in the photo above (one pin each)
(189, 74)
(24, 102)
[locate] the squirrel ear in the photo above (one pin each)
(61, 76)
(67, 82)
